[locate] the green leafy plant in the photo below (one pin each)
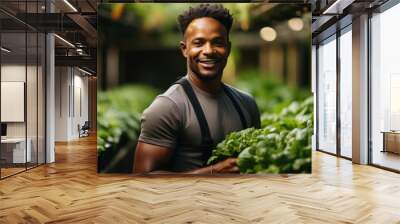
(118, 114)
(282, 145)
(270, 94)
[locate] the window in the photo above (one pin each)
(385, 88)
(327, 95)
(346, 92)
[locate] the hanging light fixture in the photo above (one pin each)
(268, 34)
(296, 24)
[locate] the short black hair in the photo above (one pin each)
(216, 11)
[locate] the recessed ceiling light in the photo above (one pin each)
(5, 50)
(70, 5)
(84, 71)
(65, 41)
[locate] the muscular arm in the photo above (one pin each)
(152, 159)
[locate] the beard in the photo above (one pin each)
(206, 77)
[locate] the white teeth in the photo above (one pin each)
(208, 61)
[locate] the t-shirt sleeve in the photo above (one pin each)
(160, 123)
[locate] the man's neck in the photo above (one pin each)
(210, 86)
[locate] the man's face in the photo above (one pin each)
(206, 48)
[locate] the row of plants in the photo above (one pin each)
(270, 94)
(118, 114)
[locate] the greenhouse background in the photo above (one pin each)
(139, 57)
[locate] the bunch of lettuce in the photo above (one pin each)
(282, 145)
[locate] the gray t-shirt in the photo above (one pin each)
(170, 122)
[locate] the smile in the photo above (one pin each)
(208, 61)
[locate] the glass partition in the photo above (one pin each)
(31, 97)
(14, 152)
(327, 95)
(41, 91)
(346, 92)
(22, 77)
(385, 89)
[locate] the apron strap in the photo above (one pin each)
(206, 140)
(229, 93)
(207, 143)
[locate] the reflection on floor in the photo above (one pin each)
(10, 169)
(386, 159)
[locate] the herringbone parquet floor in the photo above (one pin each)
(70, 191)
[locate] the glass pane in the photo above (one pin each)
(41, 98)
(327, 96)
(345, 94)
(385, 89)
(31, 97)
(14, 153)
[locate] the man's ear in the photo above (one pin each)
(183, 47)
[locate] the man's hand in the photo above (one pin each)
(151, 158)
(227, 166)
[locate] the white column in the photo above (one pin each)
(360, 90)
(50, 92)
(50, 100)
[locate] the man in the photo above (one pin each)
(181, 127)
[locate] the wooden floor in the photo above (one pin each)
(70, 191)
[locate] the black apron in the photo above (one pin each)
(207, 144)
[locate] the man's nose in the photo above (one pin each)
(208, 49)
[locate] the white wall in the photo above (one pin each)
(62, 81)
(33, 126)
(71, 94)
(12, 73)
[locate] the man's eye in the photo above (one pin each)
(197, 42)
(219, 43)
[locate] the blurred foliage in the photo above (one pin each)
(162, 17)
(270, 94)
(159, 20)
(118, 114)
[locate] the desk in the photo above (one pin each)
(16, 147)
(391, 141)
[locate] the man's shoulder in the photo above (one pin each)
(174, 93)
(172, 97)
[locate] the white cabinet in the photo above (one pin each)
(18, 149)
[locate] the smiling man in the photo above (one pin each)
(182, 126)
